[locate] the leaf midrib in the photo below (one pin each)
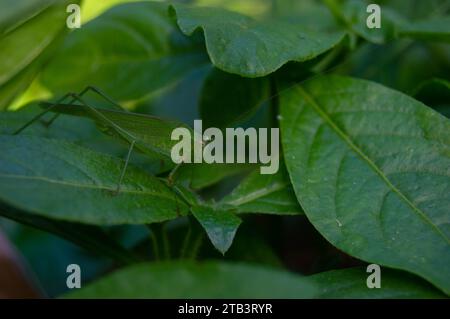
(309, 98)
(95, 187)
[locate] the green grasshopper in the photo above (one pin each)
(148, 134)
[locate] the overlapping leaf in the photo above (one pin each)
(271, 194)
(370, 167)
(14, 13)
(435, 28)
(129, 51)
(28, 32)
(197, 280)
(354, 15)
(60, 180)
(152, 135)
(199, 176)
(241, 45)
(220, 225)
(351, 283)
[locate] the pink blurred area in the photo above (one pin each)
(14, 283)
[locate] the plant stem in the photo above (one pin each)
(165, 242)
(155, 245)
(186, 242)
(158, 231)
(274, 101)
(196, 246)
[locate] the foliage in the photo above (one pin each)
(365, 144)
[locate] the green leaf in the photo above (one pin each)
(197, 280)
(401, 64)
(152, 54)
(74, 129)
(152, 135)
(370, 167)
(353, 15)
(14, 13)
(61, 180)
(198, 176)
(351, 283)
(239, 96)
(220, 225)
(271, 194)
(66, 127)
(26, 44)
(435, 29)
(241, 45)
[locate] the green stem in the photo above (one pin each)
(186, 242)
(165, 242)
(196, 246)
(155, 245)
(274, 101)
(160, 241)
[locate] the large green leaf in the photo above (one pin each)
(370, 167)
(74, 129)
(271, 194)
(351, 283)
(220, 225)
(152, 54)
(435, 28)
(352, 15)
(241, 45)
(239, 96)
(197, 280)
(401, 64)
(201, 175)
(26, 43)
(14, 13)
(61, 180)
(66, 127)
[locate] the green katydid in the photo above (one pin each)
(148, 134)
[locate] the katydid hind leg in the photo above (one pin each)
(102, 118)
(84, 91)
(124, 169)
(38, 116)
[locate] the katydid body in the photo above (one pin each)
(150, 135)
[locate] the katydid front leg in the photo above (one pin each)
(171, 177)
(122, 174)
